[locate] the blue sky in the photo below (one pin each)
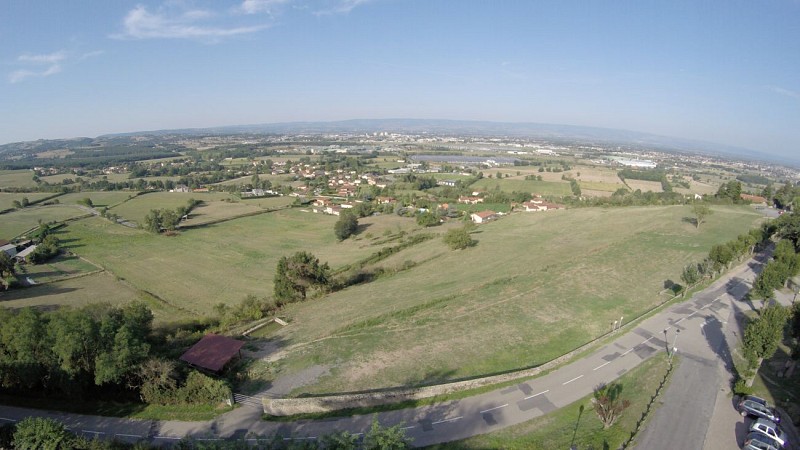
(722, 71)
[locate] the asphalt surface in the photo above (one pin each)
(688, 403)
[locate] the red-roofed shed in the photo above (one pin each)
(213, 352)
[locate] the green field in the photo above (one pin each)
(99, 199)
(521, 185)
(15, 223)
(16, 178)
(97, 288)
(539, 285)
(60, 267)
(137, 208)
(201, 267)
(7, 198)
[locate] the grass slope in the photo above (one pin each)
(536, 286)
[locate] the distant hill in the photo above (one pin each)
(552, 132)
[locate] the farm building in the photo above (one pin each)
(213, 352)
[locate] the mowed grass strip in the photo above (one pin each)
(99, 199)
(536, 286)
(576, 424)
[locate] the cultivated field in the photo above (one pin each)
(645, 186)
(536, 286)
(521, 185)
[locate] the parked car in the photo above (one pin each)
(770, 429)
(758, 407)
(759, 441)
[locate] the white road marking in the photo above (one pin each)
(447, 420)
(679, 320)
(168, 437)
(570, 381)
(535, 395)
(128, 435)
(208, 439)
(602, 365)
(629, 350)
(7, 420)
(94, 432)
(408, 428)
(492, 409)
(299, 438)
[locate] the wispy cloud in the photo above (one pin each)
(785, 92)
(260, 6)
(342, 7)
(46, 64)
(38, 66)
(140, 23)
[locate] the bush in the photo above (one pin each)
(458, 239)
(741, 387)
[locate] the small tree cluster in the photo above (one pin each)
(296, 275)
(45, 250)
(762, 336)
(458, 239)
(346, 226)
(608, 403)
(784, 266)
(158, 220)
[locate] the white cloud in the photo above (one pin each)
(49, 58)
(140, 23)
(44, 65)
(259, 6)
(785, 92)
(23, 74)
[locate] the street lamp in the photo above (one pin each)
(674, 343)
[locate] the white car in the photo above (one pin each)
(769, 428)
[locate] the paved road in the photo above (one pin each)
(700, 321)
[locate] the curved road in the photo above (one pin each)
(701, 321)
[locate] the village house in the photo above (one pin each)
(483, 216)
(470, 200)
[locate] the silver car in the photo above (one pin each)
(769, 429)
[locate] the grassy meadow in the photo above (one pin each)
(7, 198)
(535, 286)
(15, 223)
(220, 263)
(17, 178)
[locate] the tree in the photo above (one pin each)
(296, 274)
(458, 239)
(346, 226)
(690, 275)
(762, 336)
(608, 403)
(427, 219)
(39, 433)
(385, 438)
(700, 212)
